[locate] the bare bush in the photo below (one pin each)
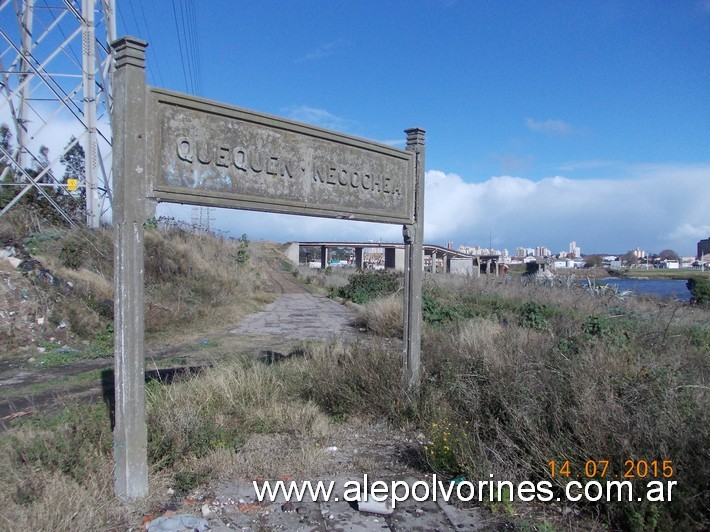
(383, 316)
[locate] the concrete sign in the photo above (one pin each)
(216, 155)
(173, 147)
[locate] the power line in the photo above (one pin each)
(182, 56)
(151, 50)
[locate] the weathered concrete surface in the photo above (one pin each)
(213, 154)
(299, 315)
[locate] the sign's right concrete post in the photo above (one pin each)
(414, 260)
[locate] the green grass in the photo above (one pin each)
(56, 384)
(658, 273)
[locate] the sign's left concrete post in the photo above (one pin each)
(128, 127)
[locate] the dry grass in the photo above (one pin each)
(197, 279)
(519, 374)
(58, 475)
(588, 378)
(196, 426)
(383, 316)
(328, 279)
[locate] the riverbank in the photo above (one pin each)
(658, 273)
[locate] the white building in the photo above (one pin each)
(639, 253)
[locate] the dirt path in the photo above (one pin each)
(298, 314)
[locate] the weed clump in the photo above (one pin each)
(367, 285)
(700, 290)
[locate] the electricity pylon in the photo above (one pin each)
(56, 71)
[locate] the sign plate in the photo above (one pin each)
(209, 153)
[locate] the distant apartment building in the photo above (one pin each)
(478, 250)
(542, 251)
(524, 252)
(574, 250)
(704, 250)
(639, 253)
(470, 250)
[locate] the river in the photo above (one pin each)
(673, 288)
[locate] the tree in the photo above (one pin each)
(629, 258)
(42, 163)
(700, 290)
(6, 144)
(243, 250)
(668, 254)
(73, 161)
(592, 261)
(5, 138)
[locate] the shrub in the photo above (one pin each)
(441, 450)
(71, 254)
(366, 286)
(700, 290)
(618, 381)
(384, 316)
(361, 380)
(437, 311)
(533, 316)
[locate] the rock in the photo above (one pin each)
(14, 261)
(206, 510)
(177, 523)
(288, 507)
(376, 507)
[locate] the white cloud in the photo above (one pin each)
(657, 207)
(552, 127)
(689, 231)
(325, 50)
(318, 117)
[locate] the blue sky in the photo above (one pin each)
(546, 122)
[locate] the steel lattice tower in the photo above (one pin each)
(56, 67)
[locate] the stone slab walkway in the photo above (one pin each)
(301, 316)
